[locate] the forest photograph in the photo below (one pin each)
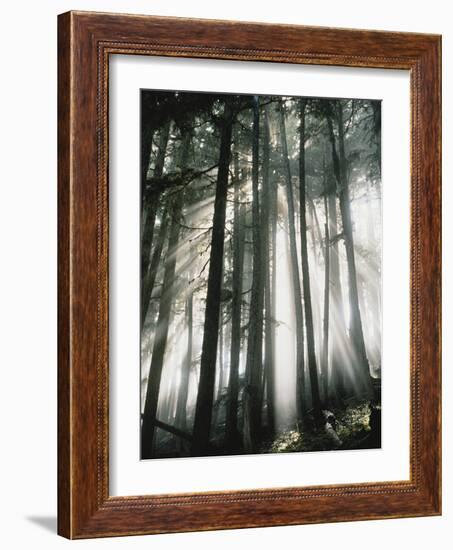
(260, 300)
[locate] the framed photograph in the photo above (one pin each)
(249, 275)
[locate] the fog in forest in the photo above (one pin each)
(260, 274)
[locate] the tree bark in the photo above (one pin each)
(266, 270)
(146, 148)
(374, 290)
(163, 320)
(161, 335)
(220, 373)
(356, 331)
(315, 218)
(300, 389)
(203, 410)
(254, 363)
(273, 212)
(151, 273)
(338, 320)
(151, 200)
(326, 317)
(312, 367)
(232, 432)
(181, 414)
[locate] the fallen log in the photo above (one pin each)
(172, 430)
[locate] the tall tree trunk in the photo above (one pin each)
(377, 123)
(181, 413)
(220, 373)
(163, 320)
(313, 369)
(374, 290)
(221, 352)
(232, 432)
(273, 211)
(151, 273)
(188, 362)
(317, 240)
(356, 331)
(338, 320)
(315, 218)
(161, 334)
(300, 401)
(146, 148)
(325, 326)
(150, 198)
(266, 270)
(203, 410)
(255, 337)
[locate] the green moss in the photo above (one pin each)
(352, 426)
(287, 442)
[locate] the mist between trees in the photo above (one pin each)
(260, 274)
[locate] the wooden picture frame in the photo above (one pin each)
(85, 42)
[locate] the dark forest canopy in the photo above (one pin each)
(260, 273)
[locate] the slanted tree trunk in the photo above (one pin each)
(150, 277)
(300, 401)
(161, 334)
(356, 331)
(255, 337)
(203, 410)
(312, 367)
(151, 199)
(163, 320)
(232, 432)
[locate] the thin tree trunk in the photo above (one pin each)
(356, 330)
(313, 369)
(221, 358)
(314, 215)
(273, 228)
(163, 320)
(181, 414)
(266, 269)
(220, 373)
(374, 291)
(161, 335)
(338, 320)
(325, 340)
(300, 401)
(151, 200)
(232, 433)
(203, 410)
(146, 148)
(377, 122)
(316, 245)
(255, 338)
(151, 273)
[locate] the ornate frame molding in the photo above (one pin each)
(86, 40)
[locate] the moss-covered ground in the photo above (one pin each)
(352, 426)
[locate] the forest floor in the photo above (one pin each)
(351, 430)
(354, 426)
